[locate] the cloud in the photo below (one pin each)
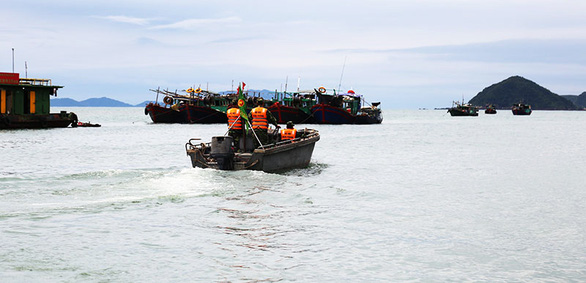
(237, 39)
(550, 51)
(559, 51)
(127, 20)
(195, 23)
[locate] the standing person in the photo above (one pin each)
(234, 125)
(289, 133)
(261, 117)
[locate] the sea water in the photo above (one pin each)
(421, 197)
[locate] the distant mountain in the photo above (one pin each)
(143, 104)
(518, 89)
(581, 102)
(66, 102)
(92, 102)
(103, 102)
(578, 100)
(572, 98)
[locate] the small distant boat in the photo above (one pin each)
(490, 109)
(521, 109)
(199, 106)
(462, 109)
(25, 104)
(87, 125)
(344, 109)
(274, 157)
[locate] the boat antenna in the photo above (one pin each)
(13, 59)
(298, 82)
(25, 70)
(342, 75)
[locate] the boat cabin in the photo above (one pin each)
(25, 96)
(25, 103)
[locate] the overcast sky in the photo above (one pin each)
(407, 54)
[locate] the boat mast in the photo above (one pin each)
(286, 82)
(157, 99)
(342, 75)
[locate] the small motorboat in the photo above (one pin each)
(521, 109)
(87, 125)
(462, 109)
(280, 156)
(490, 109)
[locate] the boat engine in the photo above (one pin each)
(222, 152)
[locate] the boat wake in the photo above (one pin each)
(313, 169)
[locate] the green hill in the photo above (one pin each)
(572, 98)
(578, 100)
(518, 89)
(581, 101)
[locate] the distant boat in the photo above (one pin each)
(462, 109)
(344, 109)
(294, 107)
(521, 109)
(199, 106)
(490, 109)
(25, 104)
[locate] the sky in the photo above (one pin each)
(407, 54)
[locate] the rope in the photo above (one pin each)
(254, 133)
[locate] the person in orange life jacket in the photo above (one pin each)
(261, 117)
(234, 125)
(289, 133)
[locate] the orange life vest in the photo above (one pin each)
(259, 118)
(234, 119)
(288, 134)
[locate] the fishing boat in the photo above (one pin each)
(462, 109)
(294, 107)
(490, 109)
(344, 109)
(279, 156)
(25, 104)
(198, 106)
(521, 109)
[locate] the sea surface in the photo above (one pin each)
(422, 197)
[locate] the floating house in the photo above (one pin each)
(25, 104)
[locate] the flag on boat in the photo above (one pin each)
(242, 104)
